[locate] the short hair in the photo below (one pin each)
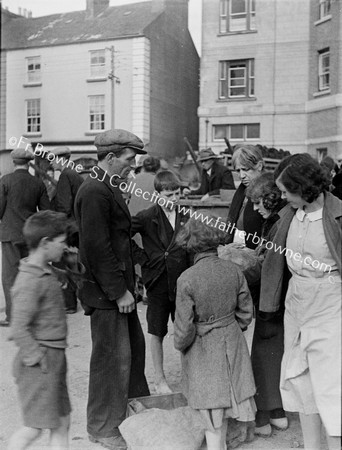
(101, 155)
(247, 155)
(166, 180)
(48, 224)
(151, 164)
(297, 158)
(308, 180)
(199, 234)
(264, 188)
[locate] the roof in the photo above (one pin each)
(78, 26)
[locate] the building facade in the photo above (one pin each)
(271, 74)
(71, 76)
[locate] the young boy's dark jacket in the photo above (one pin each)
(160, 251)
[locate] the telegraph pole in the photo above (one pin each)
(111, 76)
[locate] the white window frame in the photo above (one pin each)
(226, 69)
(97, 68)
(97, 115)
(228, 132)
(34, 74)
(324, 8)
(323, 72)
(228, 19)
(33, 115)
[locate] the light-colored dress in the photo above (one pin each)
(311, 366)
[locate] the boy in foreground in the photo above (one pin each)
(39, 329)
(163, 263)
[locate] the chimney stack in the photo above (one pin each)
(95, 7)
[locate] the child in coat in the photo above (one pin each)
(39, 329)
(213, 308)
(163, 262)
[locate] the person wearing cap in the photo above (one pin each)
(117, 361)
(68, 182)
(63, 201)
(21, 195)
(215, 176)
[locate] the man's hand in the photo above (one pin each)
(186, 191)
(126, 303)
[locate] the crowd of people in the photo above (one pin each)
(295, 361)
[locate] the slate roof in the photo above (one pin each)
(76, 27)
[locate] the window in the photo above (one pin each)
(324, 8)
(237, 15)
(236, 79)
(33, 116)
(324, 70)
(97, 64)
(96, 112)
(33, 69)
(237, 132)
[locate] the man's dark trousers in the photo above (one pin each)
(12, 253)
(116, 369)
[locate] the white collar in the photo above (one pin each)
(312, 216)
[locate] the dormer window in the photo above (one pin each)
(97, 64)
(34, 74)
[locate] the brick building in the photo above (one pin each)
(271, 73)
(70, 76)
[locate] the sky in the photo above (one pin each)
(46, 7)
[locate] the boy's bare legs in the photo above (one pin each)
(157, 358)
(59, 436)
(216, 440)
(22, 438)
(224, 434)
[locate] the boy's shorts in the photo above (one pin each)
(159, 307)
(44, 397)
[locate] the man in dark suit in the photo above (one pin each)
(68, 183)
(165, 261)
(21, 195)
(215, 176)
(118, 346)
(63, 201)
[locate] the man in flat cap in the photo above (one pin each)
(118, 346)
(63, 201)
(21, 195)
(215, 176)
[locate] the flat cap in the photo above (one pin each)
(116, 140)
(20, 153)
(61, 151)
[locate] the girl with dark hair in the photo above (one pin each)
(213, 307)
(308, 242)
(268, 338)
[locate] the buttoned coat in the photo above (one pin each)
(105, 241)
(160, 254)
(218, 360)
(21, 195)
(273, 283)
(220, 178)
